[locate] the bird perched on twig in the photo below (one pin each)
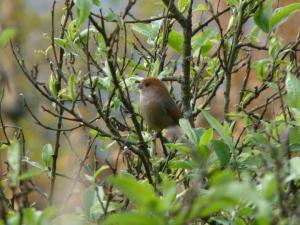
(157, 107)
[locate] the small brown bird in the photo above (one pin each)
(157, 107)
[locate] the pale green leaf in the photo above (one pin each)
(175, 41)
(224, 134)
(282, 14)
(84, 8)
(292, 84)
(47, 153)
(6, 36)
(183, 5)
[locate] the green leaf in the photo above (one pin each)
(13, 158)
(145, 29)
(88, 198)
(183, 5)
(62, 43)
(46, 215)
(254, 35)
(140, 194)
(169, 189)
(30, 216)
(224, 134)
(223, 177)
(175, 41)
(282, 14)
(32, 173)
(204, 152)
(6, 36)
(263, 15)
(180, 164)
(72, 30)
(84, 8)
(206, 137)
(189, 131)
(218, 205)
(222, 152)
(261, 68)
(201, 7)
(294, 136)
(82, 37)
(203, 42)
(72, 87)
(97, 2)
(295, 169)
(233, 2)
(133, 218)
(274, 47)
(181, 147)
(100, 170)
(53, 84)
(269, 186)
(292, 85)
(34, 164)
(47, 154)
(155, 67)
(113, 17)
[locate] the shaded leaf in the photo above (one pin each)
(224, 134)
(6, 36)
(222, 152)
(263, 15)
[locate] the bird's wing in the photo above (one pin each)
(172, 109)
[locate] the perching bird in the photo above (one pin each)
(157, 107)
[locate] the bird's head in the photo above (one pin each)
(153, 85)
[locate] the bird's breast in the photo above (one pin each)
(154, 113)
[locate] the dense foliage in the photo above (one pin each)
(241, 169)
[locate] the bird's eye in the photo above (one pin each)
(146, 84)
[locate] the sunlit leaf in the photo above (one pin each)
(84, 8)
(175, 41)
(181, 147)
(206, 137)
(183, 5)
(6, 36)
(280, 15)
